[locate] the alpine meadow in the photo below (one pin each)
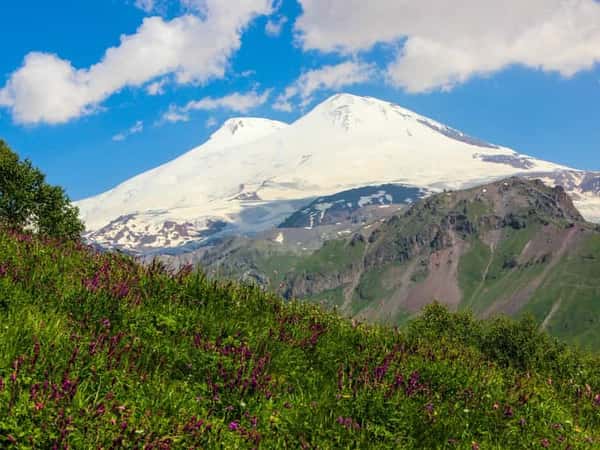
(300, 224)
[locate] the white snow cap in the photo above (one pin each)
(252, 172)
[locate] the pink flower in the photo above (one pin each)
(234, 426)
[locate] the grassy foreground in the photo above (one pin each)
(97, 351)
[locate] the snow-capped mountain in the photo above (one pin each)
(253, 173)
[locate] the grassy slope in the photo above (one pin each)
(573, 288)
(98, 352)
(500, 280)
(275, 263)
(568, 297)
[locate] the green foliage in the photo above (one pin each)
(27, 201)
(333, 256)
(370, 289)
(486, 277)
(567, 301)
(97, 351)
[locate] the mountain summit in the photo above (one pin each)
(253, 173)
(241, 130)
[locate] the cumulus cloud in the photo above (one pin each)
(236, 102)
(157, 87)
(145, 5)
(274, 27)
(174, 115)
(193, 48)
(211, 122)
(138, 127)
(233, 102)
(442, 44)
(333, 77)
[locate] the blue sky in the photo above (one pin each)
(530, 79)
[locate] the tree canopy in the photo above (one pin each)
(28, 202)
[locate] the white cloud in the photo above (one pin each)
(211, 122)
(274, 27)
(193, 48)
(236, 102)
(233, 102)
(332, 77)
(157, 87)
(442, 44)
(145, 5)
(138, 127)
(173, 115)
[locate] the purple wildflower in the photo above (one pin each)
(522, 422)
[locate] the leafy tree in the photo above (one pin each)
(28, 202)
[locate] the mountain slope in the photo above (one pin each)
(253, 173)
(97, 351)
(511, 247)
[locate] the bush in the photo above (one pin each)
(28, 202)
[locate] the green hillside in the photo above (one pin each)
(97, 351)
(513, 247)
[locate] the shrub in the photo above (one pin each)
(28, 202)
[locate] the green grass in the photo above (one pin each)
(333, 256)
(371, 289)
(277, 264)
(471, 270)
(478, 208)
(501, 279)
(574, 286)
(330, 298)
(97, 351)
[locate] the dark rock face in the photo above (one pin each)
(346, 206)
(516, 161)
(435, 223)
(308, 284)
(591, 183)
(573, 181)
(247, 197)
